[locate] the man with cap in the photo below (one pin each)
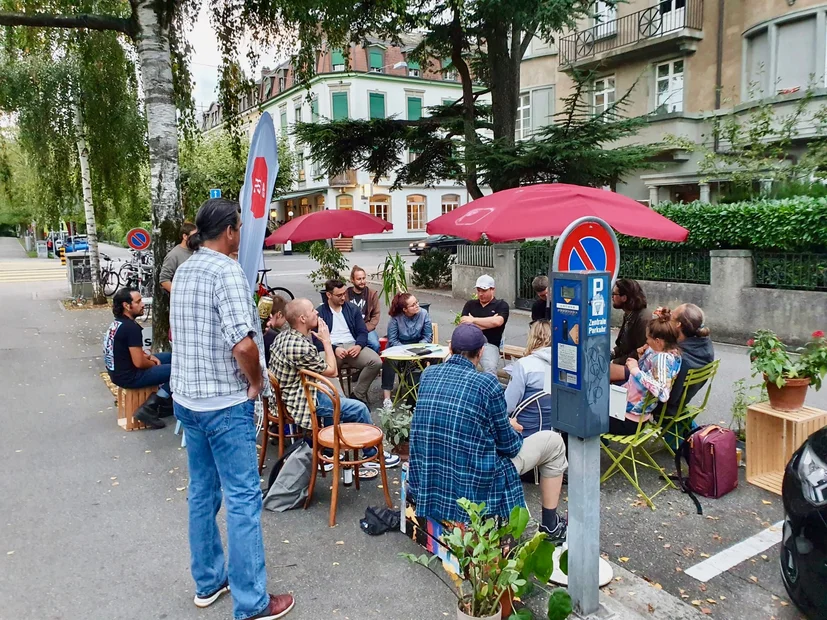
(490, 315)
(463, 443)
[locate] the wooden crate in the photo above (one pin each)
(513, 352)
(772, 438)
(128, 402)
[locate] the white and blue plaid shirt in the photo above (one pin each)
(211, 311)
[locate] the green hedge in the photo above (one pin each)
(789, 225)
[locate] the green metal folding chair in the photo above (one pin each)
(676, 428)
(632, 453)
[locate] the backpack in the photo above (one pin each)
(290, 478)
(709, 452)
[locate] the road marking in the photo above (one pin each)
(737, 553)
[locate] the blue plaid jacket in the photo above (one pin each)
(462, 443)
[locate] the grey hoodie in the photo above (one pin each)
(530, 375)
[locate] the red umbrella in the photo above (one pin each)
(546, 210)
(328, 225)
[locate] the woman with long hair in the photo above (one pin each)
(409, 324)
(529, 391)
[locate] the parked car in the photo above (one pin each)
(438, 242)
(78, 243)
(804, 541)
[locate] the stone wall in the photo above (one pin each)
(504, 272)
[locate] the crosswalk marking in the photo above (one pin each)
(17, 272)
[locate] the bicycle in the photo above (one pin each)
(262, 289)
(109, 277)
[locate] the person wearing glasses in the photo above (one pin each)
(629, 297)
(409, 324)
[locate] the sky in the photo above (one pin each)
(206, 58)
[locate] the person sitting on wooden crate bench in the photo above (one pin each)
(490, 315)
(463, 443)
(409, 324)
(540, 309)
(293, 351)
(129, 366)
(349, 337)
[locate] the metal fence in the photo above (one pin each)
(806, 272)
(665, 265)
(532, 261)
(642, 25)
(475, 255)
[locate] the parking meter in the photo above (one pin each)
(580, 340)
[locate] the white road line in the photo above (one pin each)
(737, 553)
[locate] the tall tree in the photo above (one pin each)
(156, 28)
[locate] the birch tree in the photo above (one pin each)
(88, 206)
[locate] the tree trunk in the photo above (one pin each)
(88, 206)
(152, 39)
(504, 68)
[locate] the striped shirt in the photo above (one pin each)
(657, 373)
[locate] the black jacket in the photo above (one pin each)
(631, 337)
(695, 353)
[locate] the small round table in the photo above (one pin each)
(402, 353)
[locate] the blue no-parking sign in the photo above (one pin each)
(138, 239)
(588, 244)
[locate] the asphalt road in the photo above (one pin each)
(94, 519)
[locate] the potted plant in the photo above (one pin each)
(787, 380)
(332, 265)
(395, 422)
(743, 396)
(495, 565)
(394, 277)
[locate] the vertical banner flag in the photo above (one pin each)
(259, 179)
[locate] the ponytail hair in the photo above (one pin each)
(662, 326)
(213, 218)
(691, 320)
(398, 303)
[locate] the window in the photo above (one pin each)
(337, 60)
(448, 71)
(320, 202)
(376, 60)
(522, 129)
(605, 19)
(282, 83)
(757, 65)
(416, 212)
(314, 110)
(340, 107)
(304, 206)
(376, 105)
(542, 108)
(603, 95)
(413, 68)
(674, 15)
(669, 91)
(414, 108)
(796, 62)
(283, 119)
(344, 202)
(449, 203)
(298, 112)
(380, 206)
(300, 167)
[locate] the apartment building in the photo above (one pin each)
(375, 80)
(686, 60)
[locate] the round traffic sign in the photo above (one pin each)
(138, 239)
(587, 244)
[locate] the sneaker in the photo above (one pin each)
(278, 607)
(557, 535)
(209, 599)
(391, 460)
(387, 403)
(149, 416)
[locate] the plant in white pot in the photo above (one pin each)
(395, 422)
(494, 566)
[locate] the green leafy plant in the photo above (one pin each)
(394, 278)
(432, 269)
(488, 572)
(395, 422)
(813, 360)
(769, 356)
(332, 263)
(744, 396)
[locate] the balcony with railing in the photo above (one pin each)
(346, 179)
(669, 26)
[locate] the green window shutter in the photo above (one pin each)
(377, 105)
(447, 65)
(283, 121)
(337, 58)
(414, 108)
(412, 64)
(314, 110)
(375, 59)
(339, 106)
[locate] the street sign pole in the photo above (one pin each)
(584, 523)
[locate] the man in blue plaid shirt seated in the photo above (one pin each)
(463, 443)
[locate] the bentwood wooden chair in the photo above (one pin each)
(275, 423)
(345, 439)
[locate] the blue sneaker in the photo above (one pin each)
(391, 460)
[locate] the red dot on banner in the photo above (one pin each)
(259, 181)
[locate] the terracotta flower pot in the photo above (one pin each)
(461, 615)
(403, 450)
(790, 397)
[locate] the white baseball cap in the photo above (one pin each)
(485, 282)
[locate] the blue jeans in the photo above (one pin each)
(221, 452)
(157, 375)
(373, 340)
(351, 410)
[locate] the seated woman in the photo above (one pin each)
(531, 381)
(653, 374)
(408, 325)
(629, 297)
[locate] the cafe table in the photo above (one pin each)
(408, 360)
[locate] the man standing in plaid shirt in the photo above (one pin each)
(218, 371)
(463, 443)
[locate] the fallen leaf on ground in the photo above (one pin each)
(696, 602)
(753, 579)
(147, 451)
(340, 542)
(667, 546)
(722, 597)
(766, 502)
(651, 608)
(712, 600)
(658, 586)
(784, 603)
(114, 484)
(764, 557)
(706, 610)
(623, 559)
(773, 597)
(9, 552)
(617, 544)
(704, 555)
(335, 564)
(180, 488)
(702, 587)
(286, 542)
(711, 518)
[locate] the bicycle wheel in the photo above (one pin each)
(110, 282)
(279, 290)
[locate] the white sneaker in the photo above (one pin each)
(387, 403)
